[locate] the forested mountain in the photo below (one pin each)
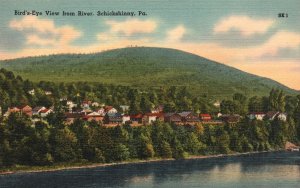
(145, 67)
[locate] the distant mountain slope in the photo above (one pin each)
(145, 67)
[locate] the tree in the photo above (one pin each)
(229, 107)
(166, 150)
(121, 152)
(63, 143)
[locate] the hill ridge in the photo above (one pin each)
(145, 67)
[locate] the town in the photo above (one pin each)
(109, 115)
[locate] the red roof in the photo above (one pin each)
(44, 111)
(108, 108)
(204, 115)
(137, 116)
(23, 106)
(154, 114)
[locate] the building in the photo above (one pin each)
(45, 112)
(115, 118)
(172, 118)
(25, 109)
(48, 92)
(94, 116)
(137, 118)
(70, 117)
(125, 119)
(271, 115)
(110, 110)
(205, 117)
(37, 110)
(256, 115)
(101, 111)
(235, 118)
(148, 118)
(282, 116)
(124, 108)
(188, 117)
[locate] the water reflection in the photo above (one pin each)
(267, 170)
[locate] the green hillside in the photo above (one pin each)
(144, 67)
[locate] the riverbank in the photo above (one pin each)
(71, 166)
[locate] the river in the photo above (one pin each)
(276, 169)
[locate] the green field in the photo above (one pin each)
(145, 67)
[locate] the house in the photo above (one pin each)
(148, 118)
(125, 118)
(37, 110)
(31, 92)
(95, 104)
(235, 118)
(271, 115)
(94, 116)
(45, 112)
(188, 117)
(158, 109)
(205, 117)
(137, 118)
(86, 111)
(217, 104)
(25, 109)
(63, 99)
(110, 110)
(101, 111)
(282, 116)
(115, 118)
(219, 114)
(70, 117)
(172, 118)
(256, 115)
(48, 92)
(124, 108)
(86, 104)
(71, 104)
(13, 109)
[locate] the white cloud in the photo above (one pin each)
(36, 29)
(176, 34)
(250, 58)
(247, 26)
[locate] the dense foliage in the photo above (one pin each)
(50, 141)
(145, 67)
(47, 144)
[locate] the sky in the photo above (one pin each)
(245, 34)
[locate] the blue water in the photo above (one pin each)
(279, 169)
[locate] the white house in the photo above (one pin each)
(125, 118)
(71, 104)
(95, 104)
(124, 108)
(101, 111)
(48, 93)
(45, 112)
(31, 92)
(37, 110)
(110, 110)
(257, 115)
(282, 116)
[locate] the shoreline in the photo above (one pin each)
(137, 161)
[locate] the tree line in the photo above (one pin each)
(51, 143)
